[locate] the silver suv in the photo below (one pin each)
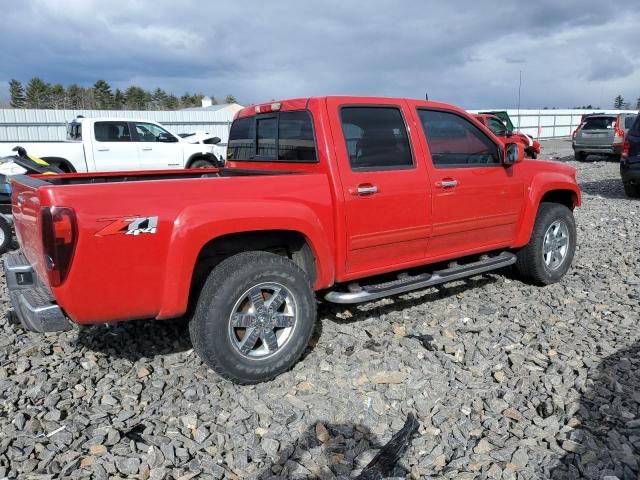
(601, 134)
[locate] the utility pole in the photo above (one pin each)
(519, 89)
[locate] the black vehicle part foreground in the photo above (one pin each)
(385, 462)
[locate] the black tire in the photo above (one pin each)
(202, 164)
(530, 154)
(6, 235)
(530, 262)
(580, 156)
(213, 337)
(632, 191)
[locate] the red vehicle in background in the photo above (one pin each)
(500, 130)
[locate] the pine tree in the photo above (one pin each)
(172, 102)
(16, 91)
(118, 99)
(618, 103)
(135, 98)
(57, 96)
(74, 96)
(102, 95)
(37, 94)
(230, 99)
(159, 99)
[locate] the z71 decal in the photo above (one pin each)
(131, 226)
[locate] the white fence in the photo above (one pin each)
(548, 123)
(47, 125)
(50, 125)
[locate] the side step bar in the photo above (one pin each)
(406, 283)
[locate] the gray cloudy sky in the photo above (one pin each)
(571, 52)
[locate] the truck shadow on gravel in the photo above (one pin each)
(140, 339)
(607, 188)
(329, 311)
(607, 440)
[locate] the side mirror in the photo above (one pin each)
(166, 138)
(513, 153)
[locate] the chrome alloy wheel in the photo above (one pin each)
(262, 320)
(556, 245)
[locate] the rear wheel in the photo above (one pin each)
(549, 253)
(580, 156)
(254, 317)
(201, 164)
(632, 191)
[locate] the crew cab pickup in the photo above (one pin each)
(348, 198)
(116, 144)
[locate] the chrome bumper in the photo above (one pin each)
(33, 305)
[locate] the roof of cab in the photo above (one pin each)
(302, 103)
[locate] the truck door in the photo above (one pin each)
(157, 148)
(113, 149)
(477, 201)
(386, 190)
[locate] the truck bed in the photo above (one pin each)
(187, 209)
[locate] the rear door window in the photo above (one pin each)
(456, 142)
(376, 138)
(599, 123)
(112, 132)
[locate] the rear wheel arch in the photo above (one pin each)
(286, 243)
(207, 157)
(62, 163)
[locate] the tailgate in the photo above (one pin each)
(25, 207)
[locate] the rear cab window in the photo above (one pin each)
(273, 137)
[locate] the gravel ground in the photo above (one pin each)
(507, 381)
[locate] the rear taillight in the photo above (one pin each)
(59, 237)
(619, 136)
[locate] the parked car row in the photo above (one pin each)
(351, 198)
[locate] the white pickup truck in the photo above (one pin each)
(115, 144)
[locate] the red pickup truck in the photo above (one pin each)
(353, 197)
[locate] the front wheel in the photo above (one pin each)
(529, 153)
(5, 235)
(580, 156)
(549, 253)
(254, 317)
(632, 191)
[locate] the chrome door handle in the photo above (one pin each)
(146, 149)
(447, 183)
(367, 190)
(104, 149)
